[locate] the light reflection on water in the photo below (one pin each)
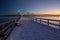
(49, 17)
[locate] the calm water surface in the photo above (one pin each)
(49, 17)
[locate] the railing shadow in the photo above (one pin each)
(48, 23)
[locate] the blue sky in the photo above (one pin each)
(12, 6)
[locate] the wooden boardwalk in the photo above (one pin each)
(30, 30)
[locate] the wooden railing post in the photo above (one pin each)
(36, 19)
(48, 22)
(13, 23)
(32, 18)
(40, 20)
(59, 25)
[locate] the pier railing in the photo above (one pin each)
(47, 21)
(7, 27)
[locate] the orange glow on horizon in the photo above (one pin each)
(48, 12)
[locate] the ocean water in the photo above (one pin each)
(4, 19)
(49, 17)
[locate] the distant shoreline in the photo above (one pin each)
(31, 15)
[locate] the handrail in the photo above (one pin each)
(46, 19)
(4, 23)
(40, 19)
(4, 29)
(50, 19)
(9, 27)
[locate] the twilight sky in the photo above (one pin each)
(37, 6)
